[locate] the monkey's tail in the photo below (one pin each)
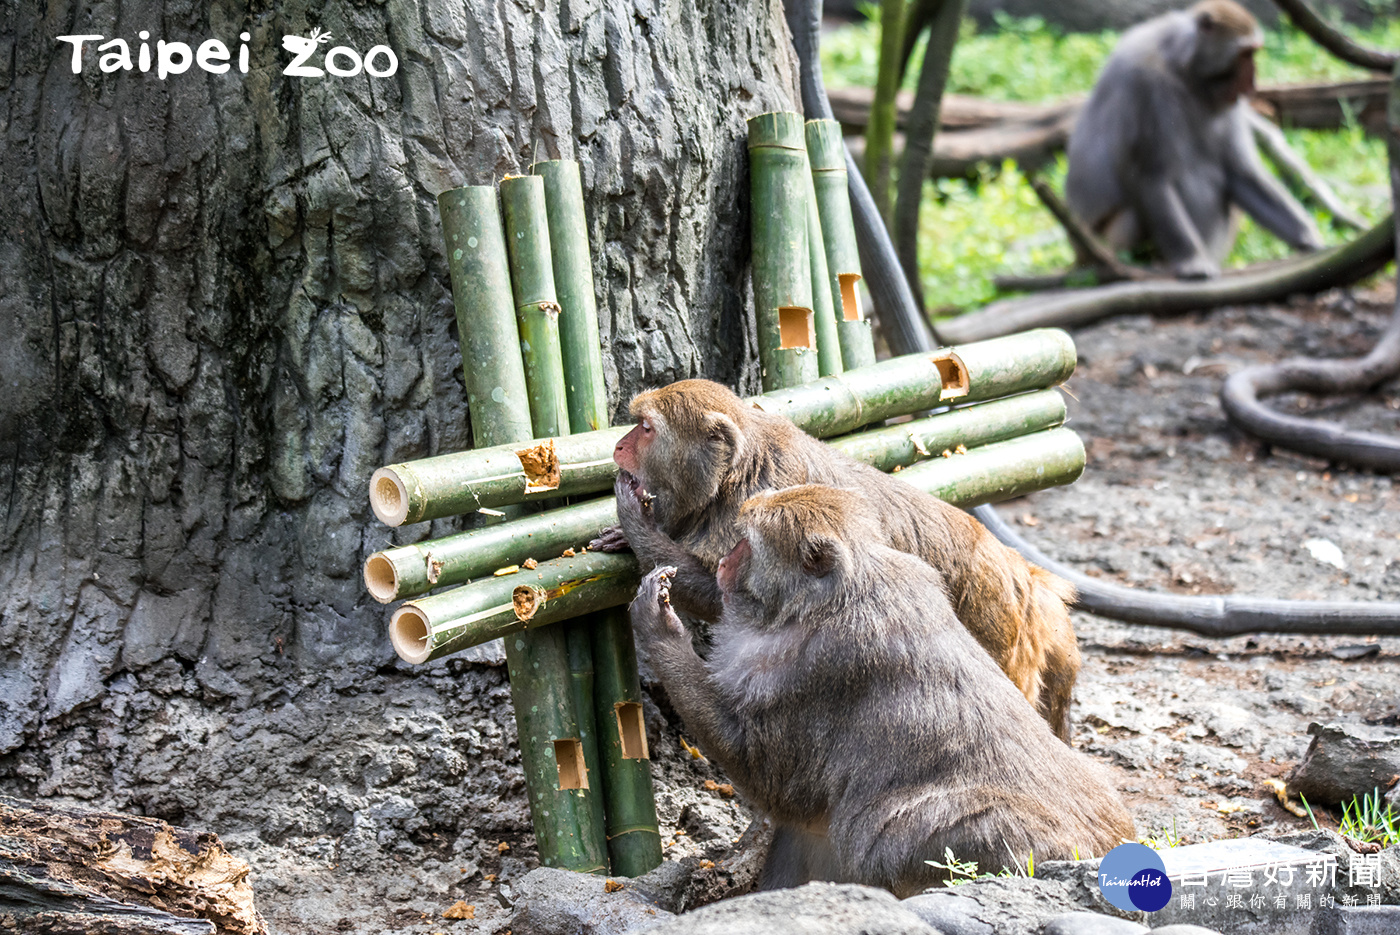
(1209, 616)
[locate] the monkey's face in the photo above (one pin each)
(1227, 36)
(678, 464)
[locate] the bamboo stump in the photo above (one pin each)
(65, 870)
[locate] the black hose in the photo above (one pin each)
(1208, 616)
(902, 322)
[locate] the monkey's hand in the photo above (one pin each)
(612, 539)
(1197, 267)
(653, 616)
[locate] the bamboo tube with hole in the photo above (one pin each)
(829, 363)
(573, 281)
(826, 152)
(481, 294)
(548, 727)
(536, 302)
(634, 842)
(432, 627)
(782, 277)
(429, 628)
(406, 571)
(578, 640)
(446, 485)
(629, 818)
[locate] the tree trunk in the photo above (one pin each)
(225, 302)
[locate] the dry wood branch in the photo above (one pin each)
(1109, 267)
(1327, 36)
(1295, 169)
(1318, 272)
(72, 870)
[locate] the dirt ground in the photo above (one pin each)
(372, 798)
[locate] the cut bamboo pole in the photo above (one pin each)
(573, 282)
(899, 446)
(827, 155)
(436, 626)
(782, 278)
(409, 570)
(559, 589)
(550, 731)
(602, 691)
(1003, 470)
(405, 571)
(476, 261)
(536, 302)
(580, 464)
(578, 640)
(829, 362)
(634, 843)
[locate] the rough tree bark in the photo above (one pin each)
(224, 302)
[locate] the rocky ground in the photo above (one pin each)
(373, 799)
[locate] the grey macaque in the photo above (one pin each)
(844, 699)
(1162, 149)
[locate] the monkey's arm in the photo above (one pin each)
(1268, 202)
(668, 646)
(1173, 231)
(692, 586)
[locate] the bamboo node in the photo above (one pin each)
(541, 467)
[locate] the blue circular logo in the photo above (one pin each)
(1132, 877)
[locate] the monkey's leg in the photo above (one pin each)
(668, 646)
(693, 587)
(1173, 231)
(1265, 200)
(795, 857)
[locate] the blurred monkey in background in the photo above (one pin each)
(1162, 150)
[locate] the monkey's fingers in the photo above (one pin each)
(612, 539)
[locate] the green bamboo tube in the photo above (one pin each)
(823, 312)
(450, 622)
(826, 151)
(409, 570)
(536, 303)
(634, 843)
(403, 571)
(550, 750)
(429, 628)
(578, 639)
(573, 281)
(782, 278)
(1003, 470)
(446, 485)
(476, 260)
(898, 446)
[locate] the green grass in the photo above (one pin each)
(1364, 820)
(972, 230)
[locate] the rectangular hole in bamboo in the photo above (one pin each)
(795, 327)
(850, 297)
(953, 374)
(632, 730)
(568, 757)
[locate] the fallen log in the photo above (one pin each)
(67, 870)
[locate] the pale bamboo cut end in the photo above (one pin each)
(381, 578)
(573, 770)
(953, 372)
(850, 297)
(411, 634)
(388, 497)
(795, 328)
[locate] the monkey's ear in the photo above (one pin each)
(722, 430)
(819, 557)
(1205, 19)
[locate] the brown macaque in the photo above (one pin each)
(844, 699)
(1163, 149)
(698, 452)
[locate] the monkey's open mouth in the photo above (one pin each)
(637, 489)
